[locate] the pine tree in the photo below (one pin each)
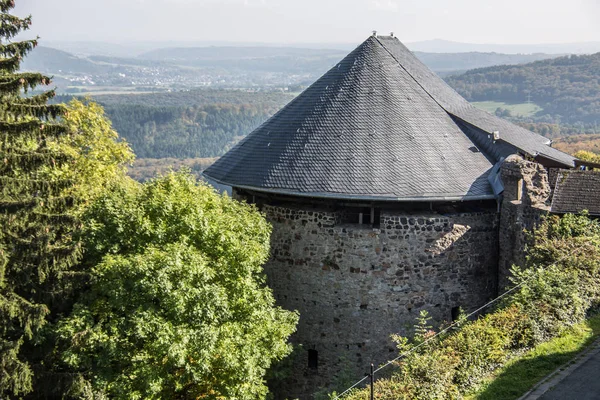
(37, 248)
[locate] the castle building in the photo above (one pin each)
(384, 188)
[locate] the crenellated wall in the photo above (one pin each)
(355, 285)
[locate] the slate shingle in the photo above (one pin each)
(576, 191)
(379, 125)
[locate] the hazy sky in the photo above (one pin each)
(303, 21)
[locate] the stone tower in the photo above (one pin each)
(383, 187)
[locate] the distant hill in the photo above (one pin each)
(235, 53)
(197, 97)
(230, 63)
(566, 88)
(446, 46)
(133, 49)
(267, 59)
(49, 60)
(317, 61)
(453, 63)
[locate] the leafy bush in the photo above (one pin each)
(178, 307)
(559, 288)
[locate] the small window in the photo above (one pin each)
(369, 216)
(313, 359)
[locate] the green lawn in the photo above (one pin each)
(518, 110)
(522, 373)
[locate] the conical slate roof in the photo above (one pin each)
(378, 126)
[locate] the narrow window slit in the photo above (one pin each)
(313, 359)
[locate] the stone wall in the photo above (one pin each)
(525, 201)
(355, 285)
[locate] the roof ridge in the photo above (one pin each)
(411, 75)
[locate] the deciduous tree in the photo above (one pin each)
(178, 306)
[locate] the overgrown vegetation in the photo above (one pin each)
(521, 373)
(559, 288)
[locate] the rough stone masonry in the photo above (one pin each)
(355, 285)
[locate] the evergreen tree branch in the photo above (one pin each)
(18, 48)
(6, 5)
(11, 64)
(11, 25)
(27, 80)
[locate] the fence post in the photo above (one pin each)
(372, 380)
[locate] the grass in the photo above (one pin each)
(517, 110)
(522, 373)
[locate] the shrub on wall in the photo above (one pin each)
(559, 287)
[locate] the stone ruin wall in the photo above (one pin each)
(355, 285)
(525, 200)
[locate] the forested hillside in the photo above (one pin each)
(195, 131)
(192, 124)
(566, 88)
(454, 63)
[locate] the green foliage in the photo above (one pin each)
(522, 372)
(562, 282)
(557, 290)
(98, 157)
(346, 377)
(36, 245)
(587, 156)
(178, 307)
(566, 88)
(422, 328)
(52, 160)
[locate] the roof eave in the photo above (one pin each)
(345, 196)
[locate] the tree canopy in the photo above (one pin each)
(53, 158)
(36, 242)
(178, 306)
